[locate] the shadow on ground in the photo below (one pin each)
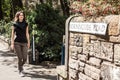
(42, 71)
(43, 76)
(7, 53)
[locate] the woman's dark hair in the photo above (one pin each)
(17, 16)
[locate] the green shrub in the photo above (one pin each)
(5, 29)
(49, 30)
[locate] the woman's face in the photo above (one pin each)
(21, 17)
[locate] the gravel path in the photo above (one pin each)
(8, 67)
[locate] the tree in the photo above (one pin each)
(65, 7)
(96, 8)
(8, 8)
(16, 5)
(1, 13)
(49, 30)
(41, 1)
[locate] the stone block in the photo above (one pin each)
(61, 71)
(91, 53)
(105, 74)
(115, 73)
(87, 48)
(92, 72)
(78, 19)
(78, 40)
(95, 48)
(86, 38)
(71, 41)
(93, 69)
(99, 19)
(114, 28)
(83, 77)
(114, 38)
(110, 18)
(73, 74)
(81, 66)
(110, 71)
(79, 49)
(81, 69)
(105, 71)
(73, 52)
(70, 78)
(93, 37)
(71, 35)
(82, 57)
(117, 54)
(105, 64)
(106, 51)
(74, 64)
(94, 61)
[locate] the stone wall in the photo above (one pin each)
(95, 57)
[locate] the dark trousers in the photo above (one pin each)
(21, 51)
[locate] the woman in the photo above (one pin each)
(21, 42)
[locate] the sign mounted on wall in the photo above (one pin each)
(92, 28)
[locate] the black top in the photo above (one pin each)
(20, 30)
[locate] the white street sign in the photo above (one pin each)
(92, 28)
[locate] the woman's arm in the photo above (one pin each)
(12, 38)
(28, 38)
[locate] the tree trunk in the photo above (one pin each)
(25, 3)
(65, 7)
(41, 1)
(17, 4)
(1, 13)
(50, 2)
(20, 4)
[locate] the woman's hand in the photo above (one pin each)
(27, 35)
(28, 45)
(12, 46)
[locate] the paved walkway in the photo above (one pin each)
(8, 68)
